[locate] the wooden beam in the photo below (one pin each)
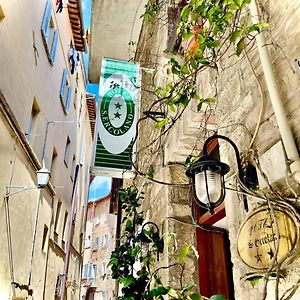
(208, 219)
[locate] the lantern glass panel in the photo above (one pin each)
(208, 186)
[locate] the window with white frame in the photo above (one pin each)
(65, 91)
(87, 242)
(105, 240)
(89, 272)
(49, 32)
(97, 243)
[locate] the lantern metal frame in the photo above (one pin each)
(144, 239)
(206, 162)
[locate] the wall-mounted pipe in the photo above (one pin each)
(277, 103)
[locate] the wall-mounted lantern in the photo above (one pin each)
(208, 177)
(148, 234)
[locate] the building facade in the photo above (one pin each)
(45, 117)
(99, 243)
(245, 112)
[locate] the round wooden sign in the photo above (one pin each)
(257, 238)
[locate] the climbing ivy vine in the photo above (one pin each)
(133, 266)
(214, 27)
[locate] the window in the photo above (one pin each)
(67, 151)
(93, 272)
(89, 272)
(58, 209)
(87, 242)
(85, 271)
(33, 121)
(105, 240)
(45, 237)
(97, 243)
(65, 91)
(49, 33)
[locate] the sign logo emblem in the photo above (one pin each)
(117, 111)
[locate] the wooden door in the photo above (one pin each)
(215, 268)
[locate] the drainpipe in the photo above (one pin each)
(69, 241)
(276, 100)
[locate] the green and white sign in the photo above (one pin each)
(117, 114)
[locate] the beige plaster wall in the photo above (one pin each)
(21, 81)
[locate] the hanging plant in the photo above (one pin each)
(133, 265)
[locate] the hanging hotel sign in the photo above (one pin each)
(117, 114)
(258, 238)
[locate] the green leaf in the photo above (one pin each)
(240, 46)
(213, 44)
(200, 39)
(239, 3)
(188, 287)
(186, 35)
(210, 100)
(200, 9)
(172, 293)
(175, 70)
(258, 26)
(228, 16)
(128, 225)
(196, 296)
(112, 262)
(193, 63)
(233, 6)
(185, 70)
(161, 122)
(204, 62)
(217, 297)
(235, 35)
(169, 239)
(254, 280)
(127, 281)
(184, 253)
(185, 13)
(157, 292)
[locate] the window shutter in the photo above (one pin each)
(53, 47)
(46, 19)
(215, 269)
(68, 100)
(85, 271)
(63, 84)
